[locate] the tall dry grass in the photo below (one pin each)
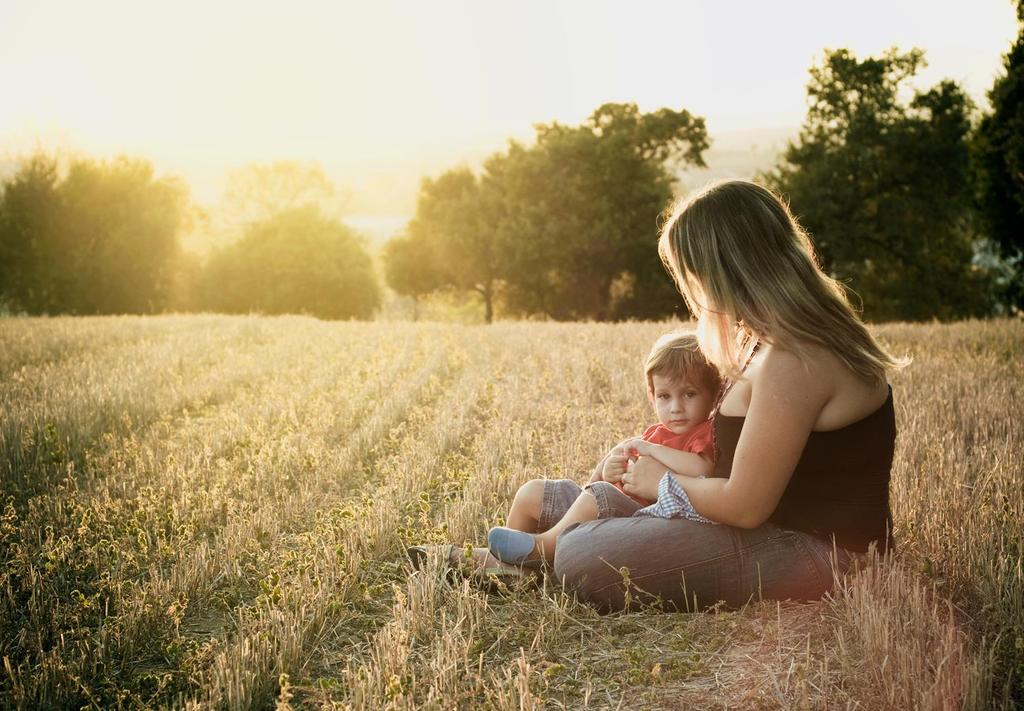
(211, 512)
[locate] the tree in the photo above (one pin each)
(104, 239)
(410, 268)
(30, 234)
(449, 242)
(123, 227)
(298, 261)
(581, 212)
(999, 159)
(258, 192)
(882, 184)
(566, 227)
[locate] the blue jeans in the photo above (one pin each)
(686, 565)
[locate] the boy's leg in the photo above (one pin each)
(582, 510)
(598, 500)
(529, 537)
(540, 503)
(524, 515)
(523, 548)
(612, 502)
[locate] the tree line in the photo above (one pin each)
(103, 237)
(913, 199)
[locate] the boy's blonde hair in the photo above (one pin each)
(748, 271)
(677, 355)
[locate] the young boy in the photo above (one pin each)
(682, 386)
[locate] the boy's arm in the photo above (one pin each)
(615, 470)
(683, 463)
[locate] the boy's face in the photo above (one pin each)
(680, 404)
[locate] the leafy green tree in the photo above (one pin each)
(999, 157)
(31, 250)
(454, 224)
(566, 227)
(124, 229)
(104, 239)
(580, 213)
(410, 268)
(883, 185)
(297, 261)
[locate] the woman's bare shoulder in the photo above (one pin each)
(821, 376)
(775, 373)
(784, 375)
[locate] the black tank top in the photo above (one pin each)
(840, 486)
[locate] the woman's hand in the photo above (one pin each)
(643, 477)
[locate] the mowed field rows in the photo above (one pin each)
(212, 512)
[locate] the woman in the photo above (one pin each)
(804, 435)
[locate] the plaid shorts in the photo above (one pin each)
(672, 502)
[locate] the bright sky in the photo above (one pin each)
(381, 92)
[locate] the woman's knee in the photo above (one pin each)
(579, 568)
(625, 561)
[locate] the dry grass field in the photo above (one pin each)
(211, 512)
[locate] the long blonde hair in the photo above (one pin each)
(748, 271)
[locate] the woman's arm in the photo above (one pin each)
(679, 462)
(786, 399)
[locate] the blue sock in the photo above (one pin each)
(511, 546)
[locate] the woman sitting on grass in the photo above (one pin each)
(803, 435)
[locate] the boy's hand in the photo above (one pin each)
(637, 447)
(614, 465)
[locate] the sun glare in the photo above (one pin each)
(382, 94)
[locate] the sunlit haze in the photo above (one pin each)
(382, 93)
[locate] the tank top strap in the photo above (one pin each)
(727, 385)
(722, 392)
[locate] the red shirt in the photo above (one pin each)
(696, 440)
